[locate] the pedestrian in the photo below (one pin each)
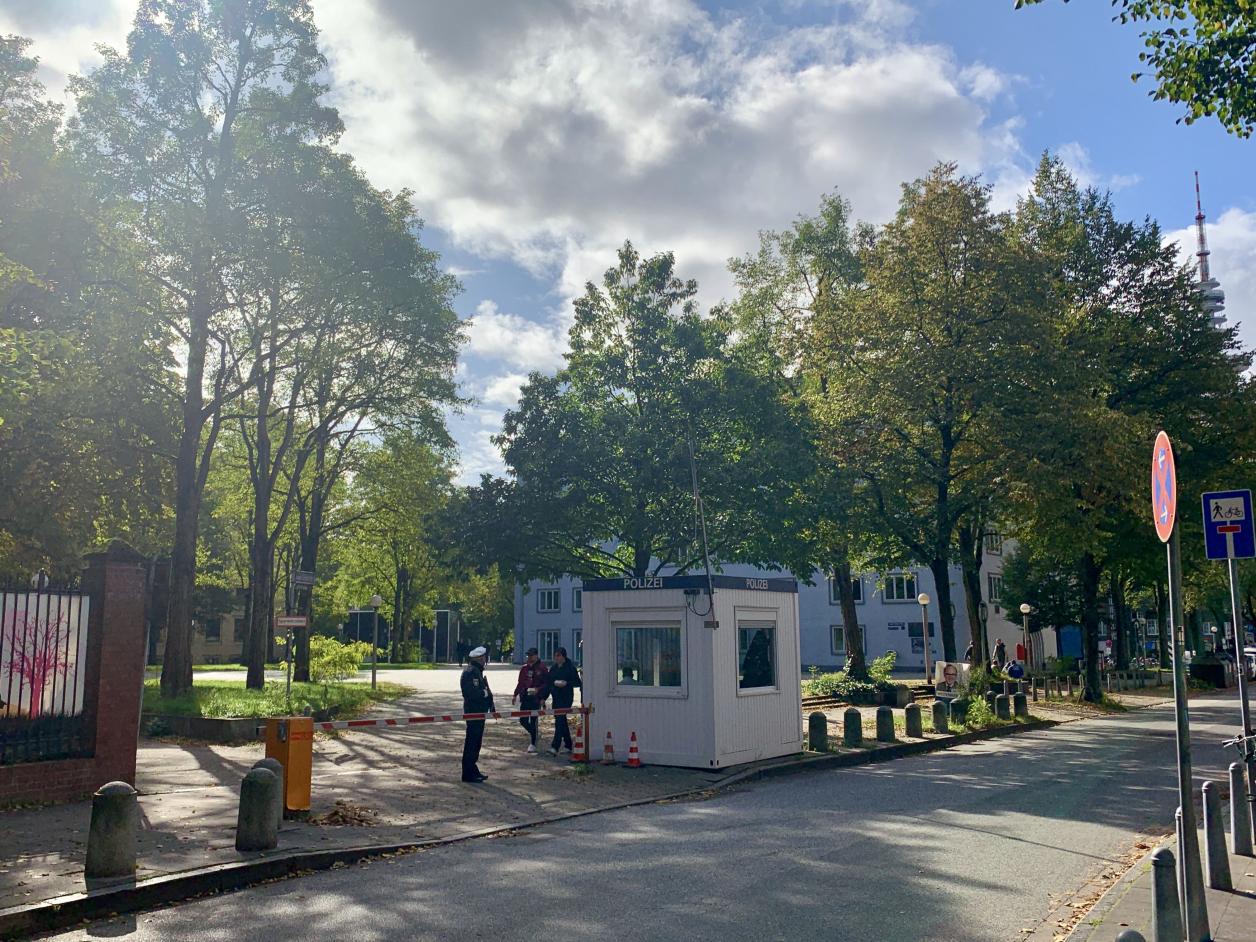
(563, 679)
(1014, 670)
(968, 653)
(476, 698)
(1000, 652)
(531, 691)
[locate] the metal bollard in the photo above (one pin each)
(1166, 911)
(941, 719)
(277, 767)
(1003, 706)
(1070, 686)
(1240, 813)
(912, 725)
(852, 727)
(1215, 853)
(885, 724)
(818, 732)
(257, 827)
(1020, 706)
(1034, 686)
(114, 830)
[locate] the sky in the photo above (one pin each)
(539, 135)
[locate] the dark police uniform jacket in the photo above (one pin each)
(476, 695)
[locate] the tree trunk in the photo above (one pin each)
(856, 657)
(1090, 573)
(1121, 620)
(971, 553)
(261, 595)
(946, 617)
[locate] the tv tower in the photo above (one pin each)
(1209, 287)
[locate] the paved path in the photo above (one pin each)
(979, 843)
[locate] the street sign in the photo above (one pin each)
(1229, 530)
(302, 578)
(291, 621)
(1163, 487)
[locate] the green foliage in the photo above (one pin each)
(844, 688)
(331, 660)
(229, 699)
(981, 680)
(979, 715)
(881, 668)
(1061, 666)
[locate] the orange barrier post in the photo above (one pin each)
(578, 753)
(634, 757)
(608, 750)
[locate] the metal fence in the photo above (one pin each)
(43, 673)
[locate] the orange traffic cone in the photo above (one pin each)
(634, 757)
(577, 751)
(608, 750)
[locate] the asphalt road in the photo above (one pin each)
(977, 843)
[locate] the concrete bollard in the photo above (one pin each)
(114, 831)
(958, 712)
(912, 725)
(1020, 706)
(1022, 687)
(941, 722)
(257, 827)
(818, 732)
(852, 727)
(1240, 813)
(1034, 687)
(277, 767)
(1003, 706)
(1131, 935)
(1216, 856)
(1070, 686)
(885, 724)
(990, 695)
(1166, 911)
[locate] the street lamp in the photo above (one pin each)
(1025, 610)
(981, 652)
(376, 601)
(923, 599)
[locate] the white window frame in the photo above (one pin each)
(994, 579)
(755, 623)
(839, 631)
(216, 638)
(908, 596)
(994, 543)
(856, 583)
(544, 595)
(552, 635)
(647, 618)
(577, 599)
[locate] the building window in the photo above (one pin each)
(547, 643)
(838, 635)
(900, 587)
(239, 629)
(577, 647)
(994, 544)
(548, 600)
(577, 600)
(994, 583)
(647, 656)
(213, 630)
(856, 588)
(756, 654)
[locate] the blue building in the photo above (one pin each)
(548, 615)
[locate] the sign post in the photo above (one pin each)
(1164, 493)
(1230, 534)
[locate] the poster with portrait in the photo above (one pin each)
(950, 679)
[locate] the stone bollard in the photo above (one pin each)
(912, 725)
(958, 711)
(1215, 853)
(885, 724)
(114, 830)
(1070, 686)
(1034, 687)
(257, 827)
(277, 767)
(818, 732)
(1022, 687)
(1020, 706)
(990, 695)
(1240, 813)
(941, 722)
(1003, 706)
(1166, 912)
(852, 727)
(1131, 935)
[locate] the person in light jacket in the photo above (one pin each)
(563, 680)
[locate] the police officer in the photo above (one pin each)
(476, 698)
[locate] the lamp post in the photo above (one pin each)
(981, 651)
(923, 599)
(376, 602)
(1025, 610)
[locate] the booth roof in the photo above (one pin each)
(635, 583)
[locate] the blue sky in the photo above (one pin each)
(538, 135)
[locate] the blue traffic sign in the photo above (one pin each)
(1229, 531)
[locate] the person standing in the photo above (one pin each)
(1000, 653)
(563, 680)
(531, 692)
(476, 698)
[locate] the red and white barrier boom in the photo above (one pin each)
(451, 718)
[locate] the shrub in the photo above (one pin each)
(331, 661)
(979, 715)
(881, 668)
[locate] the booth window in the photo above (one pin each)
(547, 643)
(647, 656)
(756, 654)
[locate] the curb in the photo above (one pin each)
(64, 911)
(1115, 893)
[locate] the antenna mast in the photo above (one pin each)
(1213, 298)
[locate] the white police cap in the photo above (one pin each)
(478, 652)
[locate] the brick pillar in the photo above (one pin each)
(116, 580)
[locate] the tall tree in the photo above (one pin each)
(173, 127)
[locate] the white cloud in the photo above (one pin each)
(1232, 242)
(504, 390)
(497, 335)
(66, 33)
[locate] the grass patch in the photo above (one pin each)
(228, 699)
(230, 667)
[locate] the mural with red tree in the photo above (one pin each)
(35, 650)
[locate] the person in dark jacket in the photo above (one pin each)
(1000, 653)
(476, 698)
(531, 691)
(563, 680)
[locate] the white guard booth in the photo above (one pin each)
(703, 684)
